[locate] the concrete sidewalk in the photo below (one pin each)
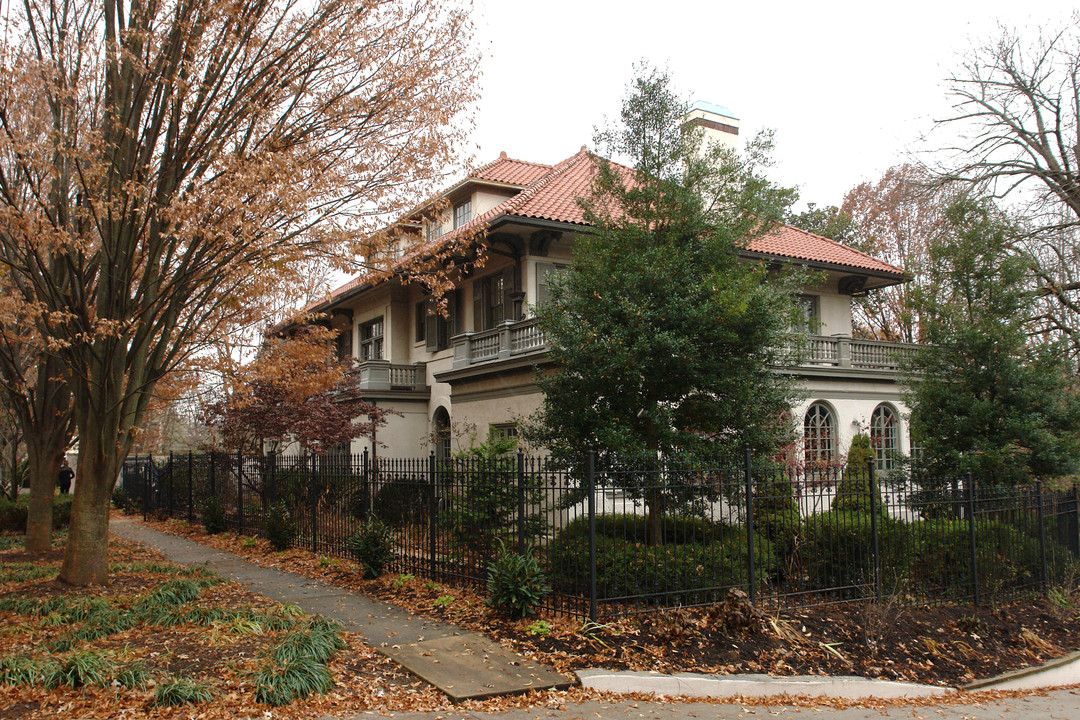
(461, 663)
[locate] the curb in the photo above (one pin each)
(722, 686)
(1064, 670)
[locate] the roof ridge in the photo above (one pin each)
(503, 157)
(539, 184)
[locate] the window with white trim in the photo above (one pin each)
(884, 437)
(462, 213)
(371, 340)
(819, 435)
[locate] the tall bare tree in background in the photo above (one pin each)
(1016, 102)
(193, 155)
(895, 219)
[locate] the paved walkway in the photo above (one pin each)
(461, 663)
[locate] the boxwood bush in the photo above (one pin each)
(696, 563)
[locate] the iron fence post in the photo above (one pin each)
(171, 484)
(875, 542)
(313, 503)
(190, 492)
(240, 491)
(521, 502)
(213, 480)
(1074, 526)
(369, 483)
(750, 569)
(433, 503)
(590, 486)
(150, 504)
(971, 537)
(1043, 574)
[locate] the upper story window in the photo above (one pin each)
(435, 329)
(544, 274)
(343, 345)
(809, 314)
(371, 340)
(462, 213)
(885, 437)
(432, 230)
(493, 300)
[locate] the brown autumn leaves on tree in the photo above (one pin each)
(895, 219)
(166, 165)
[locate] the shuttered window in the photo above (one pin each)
(492, 301)
(439, 329)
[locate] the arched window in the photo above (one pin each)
(819, 435)
(885, 437)
(441, 421)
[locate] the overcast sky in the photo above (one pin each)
(848, 87)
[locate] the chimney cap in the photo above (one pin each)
(713, 108)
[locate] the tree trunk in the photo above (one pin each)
(86, 555)
(43, 464)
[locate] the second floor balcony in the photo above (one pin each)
(525, 339)
(382, 375)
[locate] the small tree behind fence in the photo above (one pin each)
(785, 537)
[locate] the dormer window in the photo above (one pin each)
(432, 230)
(462, 213)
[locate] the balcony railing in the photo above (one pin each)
(842, 351)
(508, 340)
(383, 375)
(516, 339)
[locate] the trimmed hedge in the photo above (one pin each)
(689, 572)
(1006, 556)
(839, 550)
(13, 514)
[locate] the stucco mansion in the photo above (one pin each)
(477, 364)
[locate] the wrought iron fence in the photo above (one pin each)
(617, 537)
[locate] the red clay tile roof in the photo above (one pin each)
(511, 172)
(791, 242)
(551, 193)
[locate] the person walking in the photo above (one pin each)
(65, 477)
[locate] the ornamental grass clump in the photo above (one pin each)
(295, 667)
(86, 667)
(516, 584)
(182, 691)
(21, 670)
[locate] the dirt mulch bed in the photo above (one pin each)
(942, 645)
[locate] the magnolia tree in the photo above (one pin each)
(166, 165)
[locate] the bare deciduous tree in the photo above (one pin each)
(193, 155)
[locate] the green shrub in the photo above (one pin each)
(399, 502)
(279, 527)
(13, 514)
(213, 515)
(516, 584)
(776, 516)
(182, 691)
(1006, 557)
(686, 573)
(838, 551)
(119, 498)
(372, 546)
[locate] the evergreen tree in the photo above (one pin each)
(983, 397)
(663, 339)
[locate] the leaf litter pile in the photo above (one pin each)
(947, 645)
(164, 640)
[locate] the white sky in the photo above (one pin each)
(848, 87)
